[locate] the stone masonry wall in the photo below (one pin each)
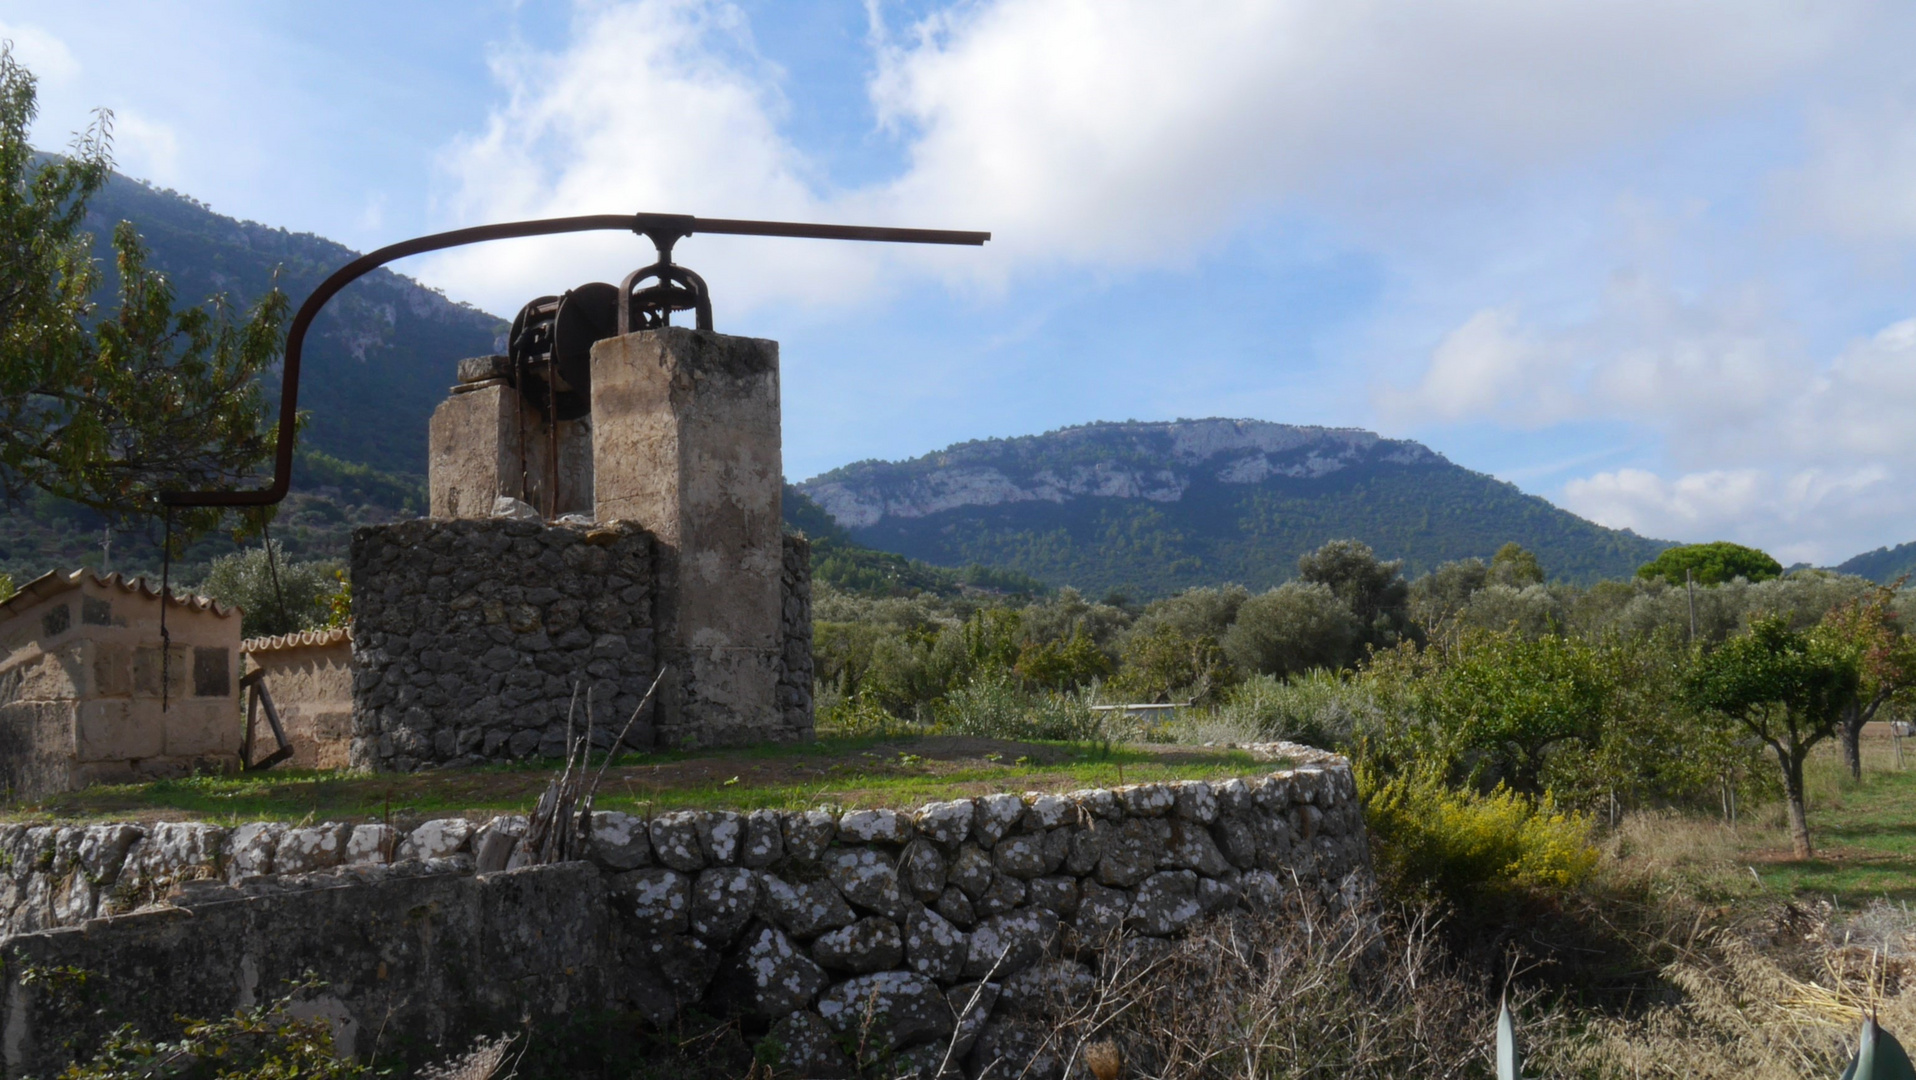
(795, 667)
(470, 637)
(939, 927)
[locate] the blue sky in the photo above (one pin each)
(1650, 259)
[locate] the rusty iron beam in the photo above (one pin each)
(663, 229)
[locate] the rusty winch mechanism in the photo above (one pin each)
(550, 347)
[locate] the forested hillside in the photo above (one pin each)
(378, 361)
(1153, 508)
(1884, 565)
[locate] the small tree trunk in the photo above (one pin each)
(1853, 720)
(1799, 813)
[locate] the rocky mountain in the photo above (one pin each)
(378, 361)
(1149, 508)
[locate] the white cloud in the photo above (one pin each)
(1130, 130)
(654, 106)
(1647, 355)
(40, 52)
(1763, 444)
(1810, 515)
(1117, 133)
(145, 148)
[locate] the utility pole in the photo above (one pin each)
(1689, 585)
(106, 552)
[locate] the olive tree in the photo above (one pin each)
(1374, 590)
(1292, 629)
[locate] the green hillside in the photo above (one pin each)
(378, 361)
(1194, 503)
(1883, 565)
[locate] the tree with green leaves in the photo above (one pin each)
(1374, 590)
(1869, 630)
(1514, 566)
(1786, 687)
(107, 408)
(1507, 702)
(1292, 629)
(1711, 564)
(274, 594)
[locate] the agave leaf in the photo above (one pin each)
(1879, 1057)
(1509, 1065)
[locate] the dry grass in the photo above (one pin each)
(1292, 993)
(1747, 1009)
(487, 1060)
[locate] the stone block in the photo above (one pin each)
(934, 947)
(1165, 903)
(922, 869)
(1003, 945)
(903, 1010)
(686, 443)
(201, 728)
(870, 944)
(723, 901)
(769, 976)
(436, 839)
(994, 816)
(619, 841)
(806, 909)
(869, 880)
(945, 823)
(874, 827)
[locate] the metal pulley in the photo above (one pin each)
(550, 347)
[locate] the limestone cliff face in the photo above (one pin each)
(1157, 462)
(1150, 508)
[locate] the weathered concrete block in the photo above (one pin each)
(686, 443)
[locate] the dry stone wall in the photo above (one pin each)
(929, 925)
(470, 638)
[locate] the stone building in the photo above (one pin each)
(309, 677)
(80, 684)
(645, 532)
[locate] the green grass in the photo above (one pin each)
(1863, 833)
(847, 772)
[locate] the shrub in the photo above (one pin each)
(1164, 662)
(264, 1042)
(1294, 990)
(1320, 708)
(994, 706)
(1459, 845)
(857, 715)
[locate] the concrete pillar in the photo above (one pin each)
(686, 445)
(474, 453)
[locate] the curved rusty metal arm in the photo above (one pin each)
(662, 229)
